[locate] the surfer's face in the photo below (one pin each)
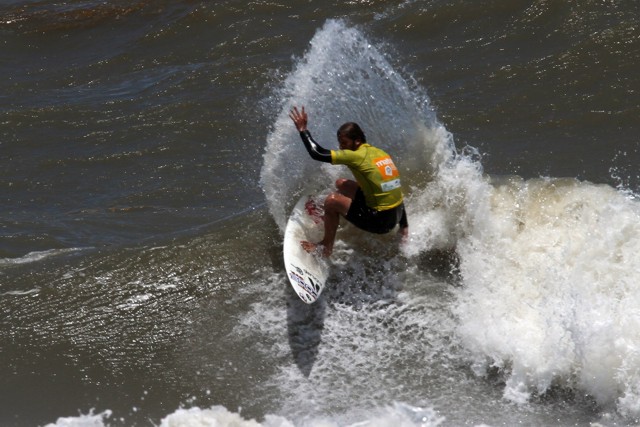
(347, 143)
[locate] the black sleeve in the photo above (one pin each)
(403, 220)
(315, 151)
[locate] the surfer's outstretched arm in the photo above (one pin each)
(315, 150)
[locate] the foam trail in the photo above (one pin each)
(36, 256)
(343, 77)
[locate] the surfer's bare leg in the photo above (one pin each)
(335, 204)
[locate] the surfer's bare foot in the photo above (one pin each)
(316, 248)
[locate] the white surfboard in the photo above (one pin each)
(307, 272)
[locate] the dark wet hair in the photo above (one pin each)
(352, 131)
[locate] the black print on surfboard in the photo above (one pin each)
(311, 288)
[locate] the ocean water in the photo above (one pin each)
(149, 166)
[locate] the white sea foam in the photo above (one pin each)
(89, 420)
(397, 414)
(551, 290)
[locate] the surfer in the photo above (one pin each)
(373, 202)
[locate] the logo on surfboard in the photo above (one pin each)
(312, 288)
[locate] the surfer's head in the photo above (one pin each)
(350, 136)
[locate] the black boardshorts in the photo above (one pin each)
(371, 220)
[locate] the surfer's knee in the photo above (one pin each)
(347, 187)
(336, 203)
(330, 202)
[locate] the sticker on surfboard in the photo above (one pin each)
(306, 272)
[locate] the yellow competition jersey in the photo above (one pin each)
(376, 174)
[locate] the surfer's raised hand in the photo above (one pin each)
(299, 118)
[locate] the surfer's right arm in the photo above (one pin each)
(315, 151)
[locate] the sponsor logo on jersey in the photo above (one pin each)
(390, 185)
(386, 167)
